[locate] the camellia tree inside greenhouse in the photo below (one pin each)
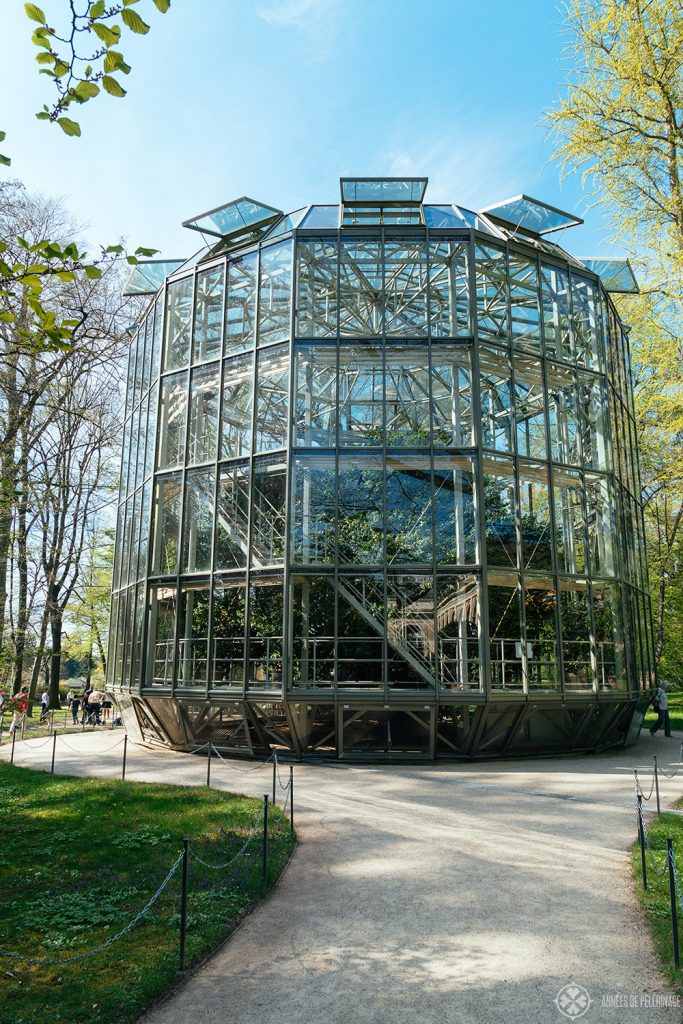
(380, 491)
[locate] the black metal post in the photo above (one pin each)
(14, 740)
(274, 776)
(672, 897)
(183, 902)
(641, 836)
(125, 751)
(54, 748)
(291, 798)
(208, 765)
(654, 758)
(265, 837)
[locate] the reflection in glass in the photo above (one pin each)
(457, 624)
(609, 637)
(317, 304)
(448, 289)
(314, 513)
(499, 509)
(208, 315)
(495, 386)
(408, 509)
(360, 525)
(563, 415)
(265, 634)
(268, 512)
(361, 395)
(236, 413)
(240, 311)
(232, 517)
(178, 324)
(316, 396)
(534, 511)
(405, 287)
(570, 518)
(451, 396)
(193, 635)
(360, 631)
(162, 616)
(313, 600)
(198, 520)
(530, 408)
(275, 293)
(541, 633)
(406, 382)
(524, 306)
(203, 415)
(228, 619)
(272, 400)
(172, 421)
(576, 634)
(454, 510)
(167, 502)
(505, 632)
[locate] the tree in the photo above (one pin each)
(621, 126)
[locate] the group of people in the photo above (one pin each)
(95, 706)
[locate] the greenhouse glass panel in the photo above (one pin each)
(576, 632)
(236, 413)
(411, 653)
(272, 400)
(178, 324)
(275, 293)
(208, 314)
(454, 510)
(167, 505)
(228, 635)
(172, 421)
(540, 604)
(317, 302)
(360, 288)
(449, 308)
(203, 434)
(316, 396)
(240, 311)
(232, 517)
(193, 636)
(492, 293)
(198, 520)
(314, 513)
(524, 303)
(361, 396)
(457, 632)
(505, 625)
(313, 632)
(405, 288)
(406, 389)
(451, 396)
(408, 528)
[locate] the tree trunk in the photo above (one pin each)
(56, 654)
(22, 569)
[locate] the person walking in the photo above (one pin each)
(661, 706)
(84, 706)
(19, 706)
(44, 705)
(94, 706)
(75, 704)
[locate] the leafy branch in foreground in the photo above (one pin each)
(26, 273)
(84, 59)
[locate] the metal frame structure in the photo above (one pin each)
(380, 498)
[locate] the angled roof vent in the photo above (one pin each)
(522, 213)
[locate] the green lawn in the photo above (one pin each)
(80, 857)
(655, 900)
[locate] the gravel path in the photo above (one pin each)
(438, 894)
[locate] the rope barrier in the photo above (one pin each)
(253, 768)
(672, 775)
(639, 788)
(75, 750)
(109, 942)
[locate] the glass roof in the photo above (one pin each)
(148, 276)
(383, 190)
(288, 222)
(234, 218)
(616, 275)
(443, 217)
(531, 215)
(321, 217)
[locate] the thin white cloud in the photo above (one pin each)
(316, 20)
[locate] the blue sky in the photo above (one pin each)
(276, 99)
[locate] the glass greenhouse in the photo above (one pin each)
(380, 492)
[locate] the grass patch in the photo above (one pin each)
(80, 857)
(655, 900)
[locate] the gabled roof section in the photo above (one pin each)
(616, 275)
(239, 217)
(531, 215)
(147, 277)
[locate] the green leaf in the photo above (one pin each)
(86, 90)
(94, 273)
(42, 116)
(113, 61)
(109, 34)
(39, 38)
(97, 9)
(140, 251)
(111, 86)
(34, 13)
(45, 58)
(162, 5)
(64, 275)
(134, 22)
(4, 160)
(68, 126)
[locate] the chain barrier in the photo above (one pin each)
(279, 778)
(253, 768)
(75, 750)
(36, 745)
(674, 773)
(639, 788)
(109, 942)
(228, 863)
(650, 851)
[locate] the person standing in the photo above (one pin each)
(44, 705)
(94, 706)
(661, 706)
(75, 704)
(84, 706)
